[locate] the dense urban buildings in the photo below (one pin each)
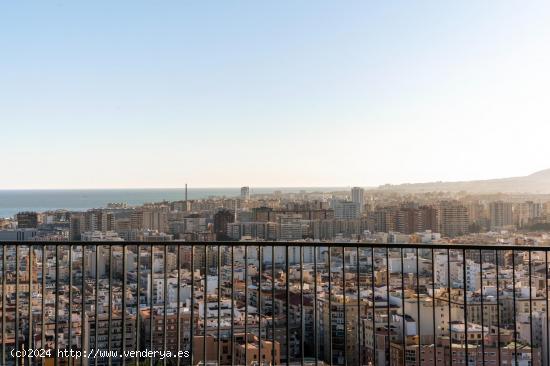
(259, 301)
(357, 214)
(356, 304)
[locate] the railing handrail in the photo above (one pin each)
(352, 244)
(353, 276)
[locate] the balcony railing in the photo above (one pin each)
(264, 303)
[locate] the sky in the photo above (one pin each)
(127, 94)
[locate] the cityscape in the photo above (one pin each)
(265, 183)
(359, 276)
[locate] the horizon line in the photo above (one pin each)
(174, 188)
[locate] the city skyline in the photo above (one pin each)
(137, 95)
(268, 183)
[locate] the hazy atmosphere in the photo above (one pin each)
(134, 94)
(275, 183)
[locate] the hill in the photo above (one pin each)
(536, 183)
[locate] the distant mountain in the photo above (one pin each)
(536, 183)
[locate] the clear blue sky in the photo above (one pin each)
(105, 94)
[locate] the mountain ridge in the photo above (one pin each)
(535, 183)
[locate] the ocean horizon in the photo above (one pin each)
(13, 201)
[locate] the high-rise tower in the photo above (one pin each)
(358, 197)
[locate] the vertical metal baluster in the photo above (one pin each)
(287, 306)
(110, 302)
(110, 313)
(83, 324)
(96, 296)
(56, 306)
(138, 301)
(344, 307)
(151, 312)
(259, 307)
(165, 300)
(315, 335)
(433, 308)
(482, 308)
(43, 303)
(373, 307)
(219, 303)
(29, 271)
(246, 304)
(178, 302)
(387, 345)
(124, 279)
(514, 306)
(465, 300)
(404, 335)
(192, 323)
(302, 312)
(17, 302)
(70, 319)
(449, 306)
(232, 304)
(4, 255)
(205, 298)
(358, 305)
(498, 305)
(418, 321)
(530, 304)
(330, 302)
(273, 304)
(547, 310)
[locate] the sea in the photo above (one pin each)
(14, 201)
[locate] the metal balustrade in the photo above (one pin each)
(264, 303)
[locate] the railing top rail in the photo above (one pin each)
(498, 246)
